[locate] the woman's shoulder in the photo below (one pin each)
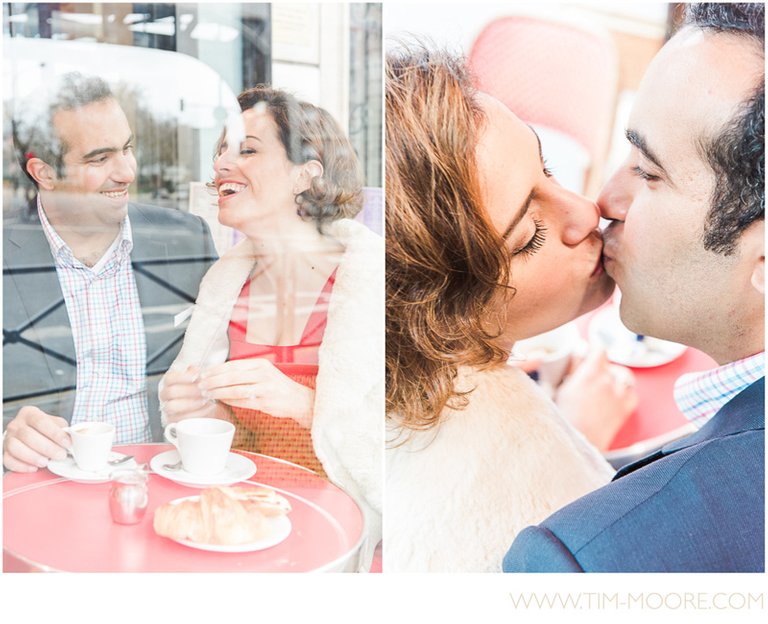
(503, 462)
(360, 275)
(502, 386)
(355, 236)
(494, 375)
(502, 398)
(505, 419)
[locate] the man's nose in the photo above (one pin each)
(615, 197)
(581, 218)
(125, 170)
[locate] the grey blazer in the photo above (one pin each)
(172, 250)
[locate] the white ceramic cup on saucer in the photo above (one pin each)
(203, 444)
(552, 350)
(91, 444)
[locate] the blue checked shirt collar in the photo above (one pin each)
(701, 395)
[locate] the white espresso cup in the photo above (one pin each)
(203, 444)
(553, 351)
(91, 444)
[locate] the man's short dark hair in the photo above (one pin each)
(34, 135)
(737, 153)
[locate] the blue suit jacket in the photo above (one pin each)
(697, 505)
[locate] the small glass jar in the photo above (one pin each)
(128, 495)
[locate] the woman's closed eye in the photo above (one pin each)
(547, 171)
(535, 242)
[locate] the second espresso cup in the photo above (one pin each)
(91, 444)
(203, 444)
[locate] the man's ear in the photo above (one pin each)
(758, 276)
(42, 173)
(753, 246)
(309, 170)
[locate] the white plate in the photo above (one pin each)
(622, 346)
(279, 529)
(68, 469)
(237, 468)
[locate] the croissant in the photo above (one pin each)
(182, 521)
(225, 516)
(264, 500)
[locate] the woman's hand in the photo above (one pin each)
(181, 397)
(256, 384)
(597, 398)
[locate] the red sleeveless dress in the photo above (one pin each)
(258, 431)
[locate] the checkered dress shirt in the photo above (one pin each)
(108, 331)
(700, 395)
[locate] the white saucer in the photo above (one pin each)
(68, 469)
(622, 346)
(279, 529)
(238, 468)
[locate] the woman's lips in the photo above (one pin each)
(228, 189)
(599, 269)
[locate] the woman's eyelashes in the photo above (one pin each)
(547, 171)
(535, 242)
(244, 150)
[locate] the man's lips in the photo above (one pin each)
(611, 234)
(609, 264)
(115, 193)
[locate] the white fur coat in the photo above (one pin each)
(347, 426)
(457, 495)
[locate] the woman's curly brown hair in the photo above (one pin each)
(309, 132)
(445, 262)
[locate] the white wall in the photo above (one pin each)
(310, 54)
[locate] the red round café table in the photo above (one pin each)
(53, 524)
(657, 414)
(657, 418)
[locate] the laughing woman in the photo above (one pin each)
(484, 248)
(286, 339)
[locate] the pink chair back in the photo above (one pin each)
(550, 73)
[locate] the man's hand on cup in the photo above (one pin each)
(181, 396)
(33, 438)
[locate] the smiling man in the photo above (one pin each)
(686, 248)
(92, 284)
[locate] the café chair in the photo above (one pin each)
(561, 77)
